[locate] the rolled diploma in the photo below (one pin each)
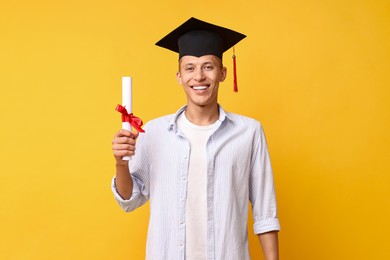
(126, 102)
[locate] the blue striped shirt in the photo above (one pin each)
(238, 171)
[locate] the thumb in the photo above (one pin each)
(135, 134)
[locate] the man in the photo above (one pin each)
(200, 166)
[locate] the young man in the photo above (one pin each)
(201, 165)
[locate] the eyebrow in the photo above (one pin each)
(205, 63)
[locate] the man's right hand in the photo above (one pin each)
(123, 144)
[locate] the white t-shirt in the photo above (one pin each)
(196, 205)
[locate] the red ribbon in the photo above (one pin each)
(136, 122)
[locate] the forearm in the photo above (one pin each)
(270, 245)
(123, 181)
(123, 144)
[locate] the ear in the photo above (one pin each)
(223, 74)
(178, 77)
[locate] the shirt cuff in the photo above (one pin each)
(266, 225)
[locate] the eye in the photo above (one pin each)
(209, 67)
(189, 69)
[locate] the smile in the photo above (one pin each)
(200, 87)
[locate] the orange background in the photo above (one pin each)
(315, 73)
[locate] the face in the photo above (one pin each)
(200, 78)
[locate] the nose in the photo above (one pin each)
(199, 75)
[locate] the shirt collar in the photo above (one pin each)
(173, 122)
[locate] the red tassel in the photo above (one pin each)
(234, 72)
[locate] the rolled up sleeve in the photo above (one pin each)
(262, 190)
(136, 200)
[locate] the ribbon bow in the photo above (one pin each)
(136, 122)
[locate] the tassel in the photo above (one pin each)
(234, 72)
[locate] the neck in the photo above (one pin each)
(199, 115)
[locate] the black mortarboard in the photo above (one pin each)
(197, 38)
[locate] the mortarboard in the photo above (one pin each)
(197, 38)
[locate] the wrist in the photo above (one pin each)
(119, 163)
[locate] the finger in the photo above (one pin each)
(126, 147)
(123, 132)
(121, 153)
(124, 140)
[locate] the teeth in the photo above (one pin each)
(199, 87)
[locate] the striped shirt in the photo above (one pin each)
(238, 170)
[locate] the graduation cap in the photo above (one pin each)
(197, 38)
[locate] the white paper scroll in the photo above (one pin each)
(127, 103)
